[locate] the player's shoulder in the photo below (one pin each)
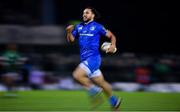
(99, 26)
(97, 23)
(79, 24)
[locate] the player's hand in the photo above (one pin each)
(111, 49)
(69, 28)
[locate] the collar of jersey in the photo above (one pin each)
(88, 23)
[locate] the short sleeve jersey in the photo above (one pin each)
(89, 37)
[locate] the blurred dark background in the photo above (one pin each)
(140, 26)
(146, 52)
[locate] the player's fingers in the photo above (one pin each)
(69, 27)
(115, 50)
(107, 50)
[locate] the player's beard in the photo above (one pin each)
(87, 20)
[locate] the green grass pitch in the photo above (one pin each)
(78, 101)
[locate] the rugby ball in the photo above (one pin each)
(105, 46)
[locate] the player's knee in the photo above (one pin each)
(75, 75)
(104, 83)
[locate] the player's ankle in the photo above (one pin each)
(113, 99)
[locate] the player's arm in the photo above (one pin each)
(69, 36)
(111, 36)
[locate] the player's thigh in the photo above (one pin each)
(79, 72)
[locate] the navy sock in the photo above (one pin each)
(113, 100)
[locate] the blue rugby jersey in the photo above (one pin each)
(89, 37)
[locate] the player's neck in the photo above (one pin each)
(89, 21)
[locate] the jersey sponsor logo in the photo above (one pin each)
(86, 34)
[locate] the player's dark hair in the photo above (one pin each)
(95, 12)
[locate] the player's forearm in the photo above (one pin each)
(69, 30)
(113, 40)
(70, 37)
(112, 37)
